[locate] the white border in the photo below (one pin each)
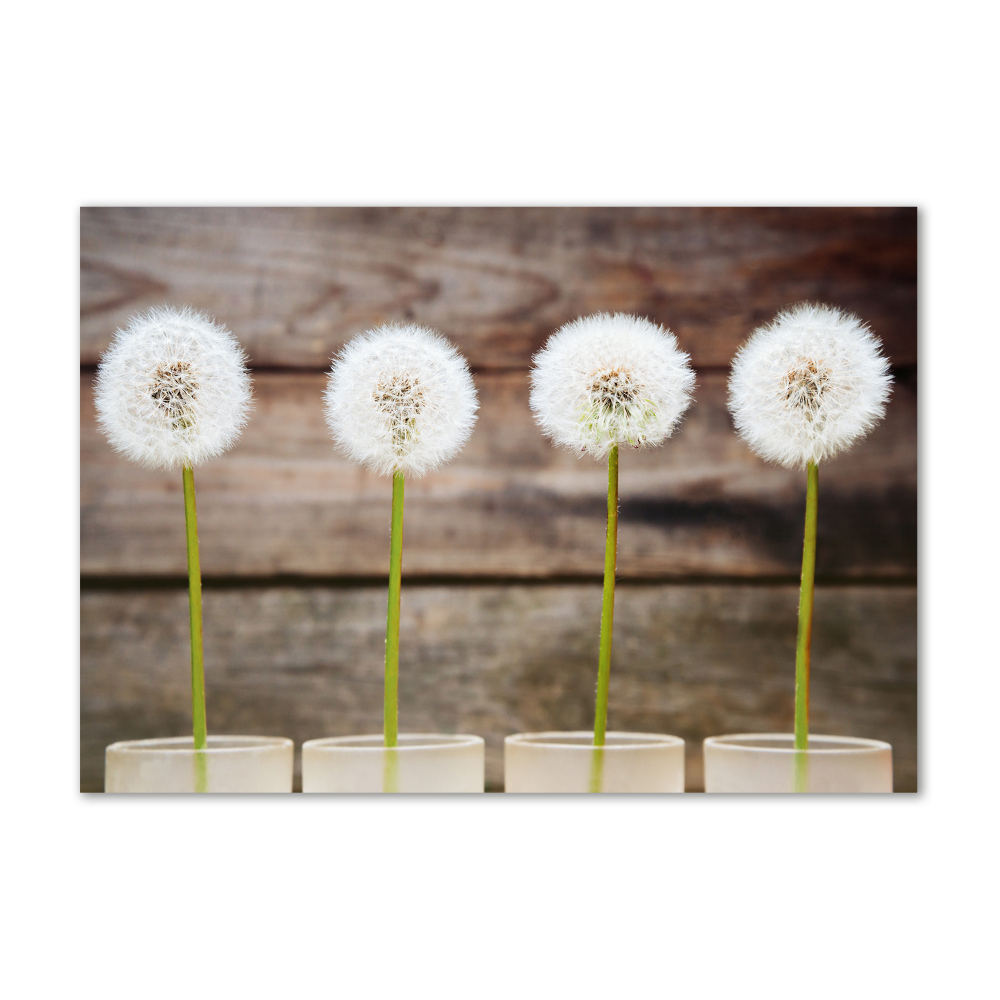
(542, 103)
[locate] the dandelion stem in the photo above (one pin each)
(194, 608)
(804, 642)
(391, 718)
(607, 620)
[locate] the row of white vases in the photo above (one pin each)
(533, 762)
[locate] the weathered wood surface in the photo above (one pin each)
(294, 284)
(692, 660)
(695, 653)
(283, 502)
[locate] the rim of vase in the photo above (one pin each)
(185, 744)
(753, 742)
(406, 742)
(582, 739)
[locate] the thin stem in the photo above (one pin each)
(596, 769)
(607, 615)
(390, 770)
(804, 642)
(391, 717)
(194, 609)
(607, 624)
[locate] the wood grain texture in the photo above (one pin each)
(294, 284)
(282, 502)
(691, 660)
(504, 547)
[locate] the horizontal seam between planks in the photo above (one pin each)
(94, 582)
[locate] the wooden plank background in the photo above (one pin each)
(504, 547)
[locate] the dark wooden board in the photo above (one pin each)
(691, 660)
(295, 283)
(283, 502)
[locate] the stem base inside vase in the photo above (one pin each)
(420, 762)
(569, 762)
(227, 764)
(769, 762)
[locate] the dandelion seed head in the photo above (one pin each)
(604, 380)
(172, 389)
(808, 385)
(400, 398)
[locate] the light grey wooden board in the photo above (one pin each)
(295, 283)
(489, 659)
(283, 502)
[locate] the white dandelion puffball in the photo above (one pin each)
(400, 398)
(605, 380)
(808, 385)
(172, 389)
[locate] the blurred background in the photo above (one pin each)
(503, 548)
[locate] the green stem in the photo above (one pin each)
(596, 769)
(390, 770)
(391, 716)
(804, 642)
(607, 619)
(194, 609)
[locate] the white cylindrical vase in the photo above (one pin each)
(769, 762)
(569, 762)
(420, 762)
(227, 764)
